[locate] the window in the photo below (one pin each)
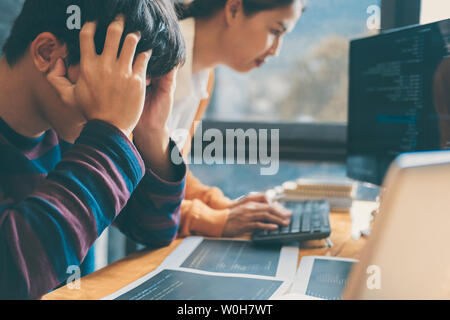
(434, 10)
(308, 82)
(9, 10)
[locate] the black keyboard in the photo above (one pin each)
(309, 221)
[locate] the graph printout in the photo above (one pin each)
(182, 285)
(328, 279)
(323, 277)
(234, 257)
(217, 269)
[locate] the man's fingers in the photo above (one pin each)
(129, 50)
(171, 77)
(166, 84)
(113, 37)
(141, 63)
(87, 44)
(57, 78)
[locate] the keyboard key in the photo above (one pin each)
(309, 220)
(325, 221)
(274, 232)
(295, 222)
(306, 222)
(317, 206)
(308, 207)
(285, 230)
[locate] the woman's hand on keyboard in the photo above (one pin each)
(248, 216)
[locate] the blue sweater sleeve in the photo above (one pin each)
(152, 215)
(55, 225)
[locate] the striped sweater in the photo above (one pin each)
(57, 198)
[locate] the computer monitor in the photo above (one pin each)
(399, 97)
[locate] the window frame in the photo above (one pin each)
(298, 141)
(399, 13)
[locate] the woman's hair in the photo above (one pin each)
(206, 8)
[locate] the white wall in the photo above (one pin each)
(434, 10)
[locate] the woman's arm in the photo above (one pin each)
(199, 219)
(211, 196)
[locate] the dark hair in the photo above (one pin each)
(206, 8)
(155, 19)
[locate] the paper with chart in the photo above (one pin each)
(169, 284)
(322, 277)
(212, 269)
(234, 256)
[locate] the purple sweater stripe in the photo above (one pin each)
(160, 223)
(104, 167)
(16, 188)
(80, 223)
(90, 185)
(25, 246)
(50, 142)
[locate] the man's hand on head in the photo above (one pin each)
(151, 135)
(109, 87)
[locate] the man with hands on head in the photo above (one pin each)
(69, 102)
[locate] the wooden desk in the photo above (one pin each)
(121, 273)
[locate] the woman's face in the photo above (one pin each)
(250, 40)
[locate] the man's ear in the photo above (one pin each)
(233, 9)
(45, 50)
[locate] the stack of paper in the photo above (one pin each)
(339, 194)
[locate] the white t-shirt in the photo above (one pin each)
(190, 90)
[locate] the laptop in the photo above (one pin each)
(407, 255)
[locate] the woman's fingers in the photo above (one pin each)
(280, 210)
(267, 216)
(260, 197)
(275, 209)
(254, 198)
(263, 226)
